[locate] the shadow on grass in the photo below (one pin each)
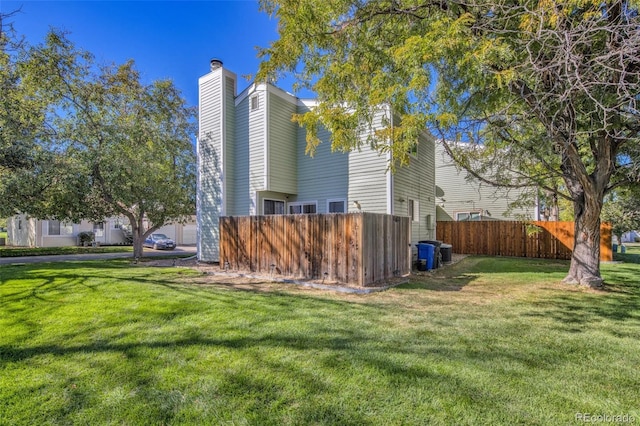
(281, 331)
(457, 276)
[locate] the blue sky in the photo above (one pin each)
(166, 39)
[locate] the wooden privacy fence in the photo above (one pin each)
(554, 240)
(355, 248)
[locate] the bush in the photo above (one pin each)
(86, 237)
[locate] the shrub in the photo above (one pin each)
(86, 237)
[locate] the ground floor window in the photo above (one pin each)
(336, 206)
(413, 210)
(303, 208)
(273, 207)
(467, 216)
(55, 227)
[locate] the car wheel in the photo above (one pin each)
(155, 246)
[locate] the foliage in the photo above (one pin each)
(22, 115)
(542, 92)
(489, 341)
(117, 146)
(86, 237)
(622, 210)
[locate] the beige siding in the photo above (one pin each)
(282, 162)
(417, 182)
(21, 231)
(257, 143)
(368, 177)
(323, 176)
(463, 195)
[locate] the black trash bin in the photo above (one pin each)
(437, 256)
(445, 251)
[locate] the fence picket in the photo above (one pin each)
(554, 240)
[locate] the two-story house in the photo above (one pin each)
(252, 161)
(460, 197)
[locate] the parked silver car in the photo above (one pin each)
(159, 242)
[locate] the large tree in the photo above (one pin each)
(117, 146)
(549, 89)
(21, 115)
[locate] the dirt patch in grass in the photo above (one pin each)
(247, 280)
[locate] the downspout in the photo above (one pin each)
(390, 189)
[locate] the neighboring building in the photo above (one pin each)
(631, 237)
(252, 161)
(459, 198)
(23, 231)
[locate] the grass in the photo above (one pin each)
(3, 234)
(485, 341)
(8, 251)
(632, 253)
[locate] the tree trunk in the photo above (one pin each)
(585, 260)
(138, 239)
(137, 232)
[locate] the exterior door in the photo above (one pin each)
(98, 230)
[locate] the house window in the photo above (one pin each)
(19, 223)
(98, 229)
(303, 208)
(336, 206)
(255, 102)
(59, 228)
(414, 210)
(273, 207)
(467, 216)
(54, 227)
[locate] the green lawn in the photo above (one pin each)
(632, 253)
(8, 251)
(486, 341)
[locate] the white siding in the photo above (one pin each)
(242, 197)
(212, 152)
(229, 149)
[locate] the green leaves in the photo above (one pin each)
(96, 140)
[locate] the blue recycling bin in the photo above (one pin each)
(426, 252)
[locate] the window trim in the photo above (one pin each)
(49, 227)
(413, 209)
(65, 229)
(467, 212)
(337, 200)
(254, 99)
(302, 204)
(275, 200)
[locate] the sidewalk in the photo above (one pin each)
(179, 251)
